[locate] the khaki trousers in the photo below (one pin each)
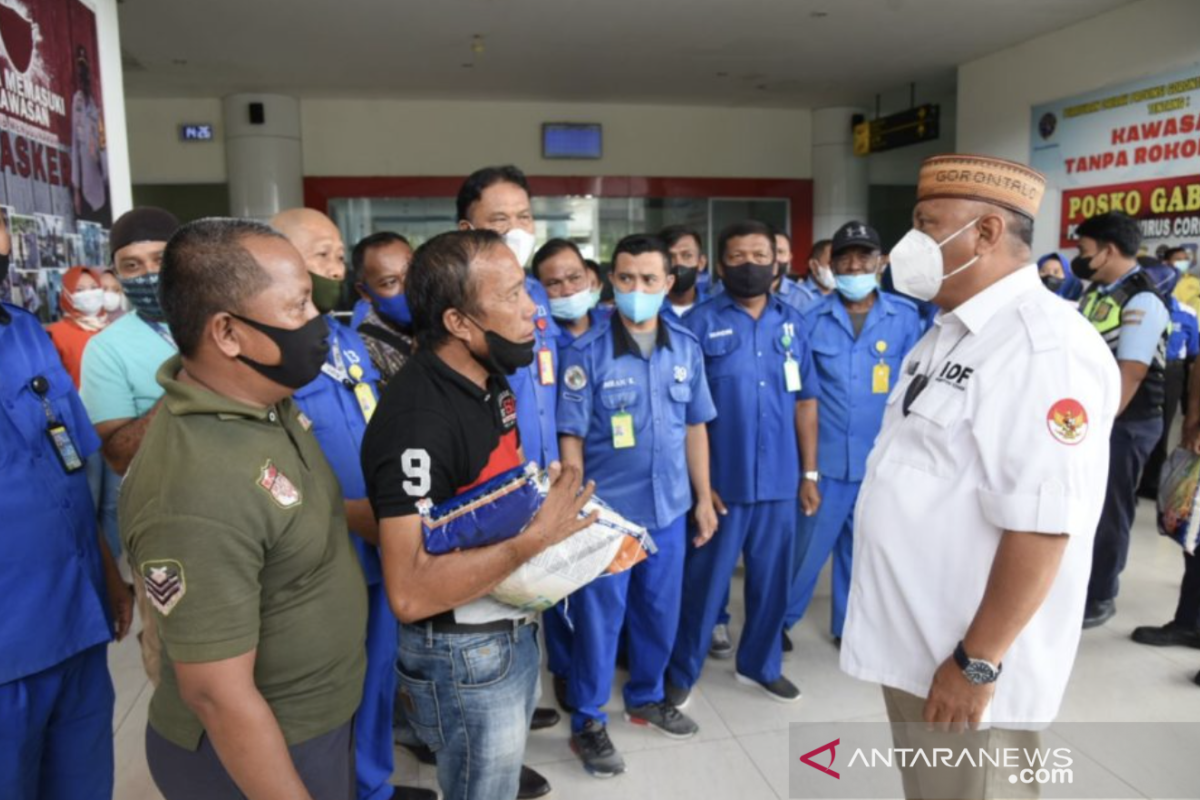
(965, 782)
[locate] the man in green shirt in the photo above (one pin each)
(235, 521)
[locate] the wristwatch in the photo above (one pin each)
(976, 670)
(813, 476)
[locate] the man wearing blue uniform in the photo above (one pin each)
(57, 580)
(689, 269)
(797, 294)
(498, 199)
(632, 412)
(759, 370)
(859, 336)
(340, 403)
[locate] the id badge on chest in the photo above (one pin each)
(545, 367)
(791, 374)
(363, 393)
(622, 430)
(64, 446)
(881, 378)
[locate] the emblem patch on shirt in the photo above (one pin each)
(165, 585)
(575, 378)
(304, 421)
(1068, 421)
(508, 409)
(680, 374)
(279, 486)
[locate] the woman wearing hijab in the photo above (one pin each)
(1056, 275)
(82, 302)
(114, 295)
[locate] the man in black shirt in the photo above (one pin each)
(468, 665)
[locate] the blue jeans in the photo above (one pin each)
(469, 698)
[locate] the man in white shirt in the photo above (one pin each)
(976, 516)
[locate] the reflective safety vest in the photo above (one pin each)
(1104, 311)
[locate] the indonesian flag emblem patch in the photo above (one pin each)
(1067, 421)
(279, 486)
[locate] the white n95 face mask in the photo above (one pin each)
(521, 242)
(916, 263)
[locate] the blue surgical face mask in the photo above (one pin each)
(394, 309)
(638, 307)
(1183, 266)
(856, 287)
(572, 307)
(595, 299)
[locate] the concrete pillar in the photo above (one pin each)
(262, 156)
(839, 177)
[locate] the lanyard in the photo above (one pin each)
(337, 370)
(162, 330)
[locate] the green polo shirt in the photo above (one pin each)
(235, 521)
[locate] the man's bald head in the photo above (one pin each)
(316, 237)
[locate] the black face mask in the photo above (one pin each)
(685, 278)
(749, 279)
(1053, 283)
(302, 352)
(504, 357)
(1081, 267)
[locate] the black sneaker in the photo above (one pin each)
(787, 643)
(1097, 613)
(595, 749)
(532, 784)
(1169, 635)
(413, 793)
(781, 689)
(543, 718)
(560, 694)
(664, 718)
(677, 695)
(721, 646)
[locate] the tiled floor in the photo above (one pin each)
(741, 751)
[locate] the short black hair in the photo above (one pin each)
(549, 250)
(637, 244)
(595, 268)
(440, 278)
(472, 188)
(749, 227)
(1115, 228)
(206, 269)
(1171, 252)
(358, 256)
(786, 236)
(673, 233)
(818, 246)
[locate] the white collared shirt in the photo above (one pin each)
(994, 443)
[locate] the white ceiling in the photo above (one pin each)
(785, 53)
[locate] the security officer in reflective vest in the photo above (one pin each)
(1124, 307)
(760, 372)
(632, 414)
(340, 402)
(57, 580)
(859, 336)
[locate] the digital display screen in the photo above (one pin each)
(571, 140)
(200, 132)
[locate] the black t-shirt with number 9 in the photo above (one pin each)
(436, 434)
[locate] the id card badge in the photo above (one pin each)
(791, 375)
(881, 378)
(622, 430)
(64, 446)
(366, 399)
(546, 367)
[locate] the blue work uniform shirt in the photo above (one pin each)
(53, 603)
(851, 405)
(1184, 342)
(566, 338)
(799, 296)
(752, 443)
(338, 423)
(604, 374)
(537, 401)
